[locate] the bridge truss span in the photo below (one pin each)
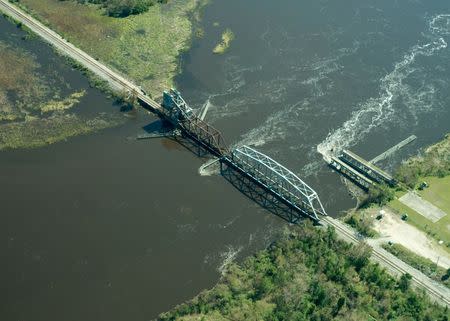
(279, 180)
(204, 133)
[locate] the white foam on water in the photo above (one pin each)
(287, 121)
(227, 257)
(379, 110)
(440, 24)
(210, 168)
(276, 127)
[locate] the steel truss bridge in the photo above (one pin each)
(277, 180)
(279, 187)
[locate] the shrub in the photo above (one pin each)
(124, 8)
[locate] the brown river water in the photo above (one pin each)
(105, 227)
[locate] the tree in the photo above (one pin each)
(407, 174)
(380, 194)
(124, 8)
(405, 282)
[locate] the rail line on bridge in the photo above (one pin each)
(280, 185)
(175, 110)
(274, 178)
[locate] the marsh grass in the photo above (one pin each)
(20, 85)
(144, 47)
(65, 104)
(38, 132)
(33, 111)
(224, 44)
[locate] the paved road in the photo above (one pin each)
(438, 292)
(116, 80)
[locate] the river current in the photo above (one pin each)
(105, 227)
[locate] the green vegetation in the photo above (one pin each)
(67, 103)
(33, 105)
(37, 132)
(144, 47)
(439, 230)
(434, 162)
(424, 265)
(224, 45)
(309, 275)
(379, 194)
(124, 8)
(361, 221)
(438, 192)
(20, 84)
(432, 167)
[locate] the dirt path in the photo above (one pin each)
(437, 291)
(392, 228)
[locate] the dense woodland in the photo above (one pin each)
(309, 275)
(124, 8)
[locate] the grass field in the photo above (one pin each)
(438, 193)
(433, 167)
(144, 47)
(439, 230)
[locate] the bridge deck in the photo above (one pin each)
(203, 133)
(350, 173)
(366, 168)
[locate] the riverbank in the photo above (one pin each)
(309, 274)
(43, 101)
(33, 111)
(144, 47)
(428, 177)
(417, 218)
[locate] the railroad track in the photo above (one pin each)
(121, 83)
(390, 264)
(89, 62)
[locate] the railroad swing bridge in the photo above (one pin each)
(120, 83)
(278, 183)
(363, 173)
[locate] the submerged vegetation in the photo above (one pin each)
(67, 103)
(143, 44)
(309, 275)
(37, 132)
(35, 101)
(224, 44)
(20, 84)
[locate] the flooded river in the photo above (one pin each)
(105, 227)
